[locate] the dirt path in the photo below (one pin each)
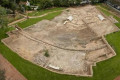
(118, 78)
(10, 72)
(16, 21)
(41, 15)
(25, 17)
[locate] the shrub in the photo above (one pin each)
(46, 53)
(2, 74)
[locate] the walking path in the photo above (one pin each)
(40, 15)
(10, 72)
(26, 17)
(12, 23)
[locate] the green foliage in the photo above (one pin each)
(56, 3)
(46, 53)
(9, 11)
(105, 9)
(43, 4)
(41, 12)
(2, 75)
(105, 70)
(3, 18)
(32, 21)
(10, 4)
(13, 7)
(94, 1)
(34, 2)
(4, 3)
(115, 2)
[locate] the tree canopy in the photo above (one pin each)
(3, 18)
(15, 4)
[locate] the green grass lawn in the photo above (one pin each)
(109, 14)
(105, 70)
(32, 21)
(41, 12)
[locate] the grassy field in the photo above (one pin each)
(106, 12)
(41, 12)
(32, 21)
(105, 70)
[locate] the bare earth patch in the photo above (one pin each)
(73, 48)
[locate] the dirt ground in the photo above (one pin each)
(117, 78)
(10, 72)
(73, 47)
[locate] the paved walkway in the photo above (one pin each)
(10, 72)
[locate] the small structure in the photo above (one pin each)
(54, 67)
(101, 17)
(65, 22)
(27, 3)
(70, 18)
(85, 1)
(34, 7)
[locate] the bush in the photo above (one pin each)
(3, 18)
(46, 53)
(28, 8)
(45, 4)
(9, 11)
(2, 75)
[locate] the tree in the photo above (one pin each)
(56, 3)
(34, 2)
(13, 7)
(64, 3)
(45, 4)
(115, 2)
(72, 2)
(78, 2)
(10, 4)
(3, 18)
